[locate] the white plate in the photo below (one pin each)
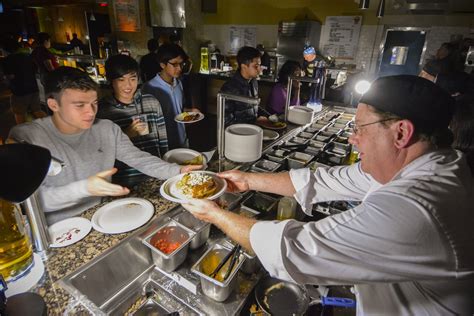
(170, 192)
(29, 280)
(180, 155)
(121, 216)
(270, 135)
(178, 118)
(68, 231)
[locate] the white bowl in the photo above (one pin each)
(243, 142)
(300, 115)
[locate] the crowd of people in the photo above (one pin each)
(407, 247)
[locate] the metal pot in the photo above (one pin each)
(276, 297)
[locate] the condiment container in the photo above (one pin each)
(201, 228)
(170, 233)
(286, 208)
(298, 160)
(266, 166)
(278, 155)
(259, 202)
(211, 287)
(228, 201)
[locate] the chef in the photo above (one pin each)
(407, 247)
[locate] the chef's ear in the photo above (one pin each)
(53, 105)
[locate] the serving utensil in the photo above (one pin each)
(221, 264)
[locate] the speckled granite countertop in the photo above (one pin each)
(62, 261)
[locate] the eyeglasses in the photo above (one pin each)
(356, 128)
(176, 65)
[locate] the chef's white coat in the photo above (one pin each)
(408, 247)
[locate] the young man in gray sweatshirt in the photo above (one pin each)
(88, 147)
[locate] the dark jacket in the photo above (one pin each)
(239, 112)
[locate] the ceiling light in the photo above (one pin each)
(381, 9)
(364, 4)
(362, 86)
(60, 19)
(92, 18)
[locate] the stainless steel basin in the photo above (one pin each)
(125, 275)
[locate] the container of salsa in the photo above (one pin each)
(169, 245)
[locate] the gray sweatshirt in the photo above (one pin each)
(85, 154)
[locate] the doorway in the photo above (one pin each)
(402, 52)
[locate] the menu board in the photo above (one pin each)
(341, 36)
(127, 15)
(242, 36)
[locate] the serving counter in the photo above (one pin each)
(67, 269)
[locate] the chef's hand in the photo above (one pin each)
(189, 168)
(203, 209)
(134, 129)
(237, 181)
(98, 185)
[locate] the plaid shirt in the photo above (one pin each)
(155, 143)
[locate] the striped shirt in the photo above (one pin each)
(155, 143)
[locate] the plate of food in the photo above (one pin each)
(68, 231)
(193, 185)
(185, 156)
(123, 215)
(270, 135)
(189, 117)
(272, 125)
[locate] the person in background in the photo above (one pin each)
(20, 71)
(407, 247)
(149, 65)
(43, 58)
(139, 115)
(462, 126)
(76, 42)
(244, 83)
(277, 99)
(88, 147)
(455, 83)
(168, 89)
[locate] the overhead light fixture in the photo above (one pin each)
(60, 19)
(92, 18)
(364, 4)
(381, 9)
(362, 86)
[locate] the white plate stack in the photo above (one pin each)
(243, 142)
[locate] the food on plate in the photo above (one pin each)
(189, 116)
(278, 124)
(197, 185)
(198, 160)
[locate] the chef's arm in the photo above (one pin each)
(235, 226)
(277, 183)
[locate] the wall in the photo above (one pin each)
(265, 15)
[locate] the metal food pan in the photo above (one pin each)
(201, 228)
(306, 135)
(171, 231)
(259, 202)
(266, 165)
(215, 289)
(298, 160)
(336, 157)
(299, 140)
(229, 201)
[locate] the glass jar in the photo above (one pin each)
(16, 255)
(286, 208)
